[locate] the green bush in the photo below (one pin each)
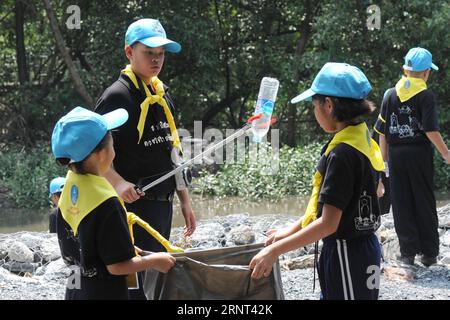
(27, 174)
(296, 167)
(249, 180)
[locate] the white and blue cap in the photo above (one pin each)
(338, 80)
(77, 134)
(56, 185)
(150, 33)
(419, 59)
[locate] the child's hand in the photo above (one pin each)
(163, 261)
(262, 263)
(274, 235)
(380, 190)
(128, 192)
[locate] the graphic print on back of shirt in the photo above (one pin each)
(366, 220)
(404, 124)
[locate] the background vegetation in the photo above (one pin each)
(228, 46)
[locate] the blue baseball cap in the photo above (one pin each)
(419, 59)
(338, 80)
(77, 134)
(56, 185)
(150, 33)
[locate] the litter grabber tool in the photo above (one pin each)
(259, 124)
(182, 167)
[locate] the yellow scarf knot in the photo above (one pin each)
(151, 99)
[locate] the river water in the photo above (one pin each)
(14, 220)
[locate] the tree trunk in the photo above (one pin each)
(21, 56)
(305, 32)
(78, 83)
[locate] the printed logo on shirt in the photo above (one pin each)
(366, 220)
(74, 199)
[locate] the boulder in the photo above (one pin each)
(32, 241)
(19, 252)
(56, 270)
(445, 239)
(444, 217)
(303, 262)
(50, 250)
(242, 235)
(20, 267)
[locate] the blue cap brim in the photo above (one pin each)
(434, 67)
(303, 96)
(154, 42)
(115, 118)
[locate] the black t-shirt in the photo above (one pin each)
(52, 221)
(103, 239)
(407, 122)
(151, 158)
(349, 184)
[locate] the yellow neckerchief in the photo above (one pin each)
(358, 137)
(408, 87)
(152, 99)
(81, 194)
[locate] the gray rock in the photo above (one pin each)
(50, 250)
(56, 270)
(445, 239)
(391, 249)
(444, 217)
(19, 252)
(20, 267)
(303, 262)
(242, 235)
(32, 241)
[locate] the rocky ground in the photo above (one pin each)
(31, 267)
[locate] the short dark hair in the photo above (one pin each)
(78, 167)
(347, 109)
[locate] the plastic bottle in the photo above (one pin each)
(264, 106)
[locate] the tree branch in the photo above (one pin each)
(78, 83)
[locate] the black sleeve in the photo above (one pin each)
(429, 112)
(112, 237)
(113, 98)
(337, 185)
(380, 124)
(52, 221)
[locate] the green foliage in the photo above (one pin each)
(294, 177)
(228, 46)
(27, 174)
(249, 178)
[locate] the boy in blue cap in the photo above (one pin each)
(56, 186)
(408, 124)
(343, 209)
(92, 224)
(147, 143)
